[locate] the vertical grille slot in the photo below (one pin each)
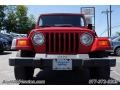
(62, 42)
(72, 42)
(52, 42)
(76, 42)
(57, 42)
(47, 42)
(67, 41)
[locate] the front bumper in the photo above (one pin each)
(76, 63)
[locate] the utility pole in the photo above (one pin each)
(107, 14)
(110, 21)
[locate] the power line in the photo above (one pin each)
(107, 12)
(117, 26)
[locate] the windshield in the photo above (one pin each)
(61, 20)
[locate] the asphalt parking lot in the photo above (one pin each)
(50, 77)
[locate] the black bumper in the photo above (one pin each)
(47, 63)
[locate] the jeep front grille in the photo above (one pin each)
(62, 42)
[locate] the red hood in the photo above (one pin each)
(61, 29)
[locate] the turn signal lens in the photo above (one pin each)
(22, 43)
(103, 43)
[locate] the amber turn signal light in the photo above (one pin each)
(103, 43)
(22, 43)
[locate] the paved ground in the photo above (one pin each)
(50, 77)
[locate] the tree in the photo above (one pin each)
(17, 20)
(21, 13)
(2, 16)
(11, 22)
(118, 33)
(31, 22)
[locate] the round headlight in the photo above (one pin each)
(38, 38)
(86, 39)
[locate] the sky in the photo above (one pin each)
(100, 18)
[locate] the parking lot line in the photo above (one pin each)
(116, 73)
(117, 61)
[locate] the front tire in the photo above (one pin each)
(100, 73)
(1, 51)
(23, 72)
(1, 48)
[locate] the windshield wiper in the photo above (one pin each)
(63, 25)
(58, 25)
(45, 26)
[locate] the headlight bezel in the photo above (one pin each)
(40, 34)
(90, 41)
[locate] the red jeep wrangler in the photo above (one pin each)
(62, 42)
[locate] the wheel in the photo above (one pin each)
(1, 51)
(1, 48)
(24, 73)
(100, 73)
(117, 51)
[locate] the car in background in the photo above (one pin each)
(113, 37)
(9, 39)
(115, 45)
(3, 45)
(16, 35)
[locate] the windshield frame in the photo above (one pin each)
(70, 14)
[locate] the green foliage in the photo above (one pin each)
(11, 19)
(21, 13)
(31, 22)
(24, 23)
(118, 33)
(16, 19)
(2, 16)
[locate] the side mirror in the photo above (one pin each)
(90, 26)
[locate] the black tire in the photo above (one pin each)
(100, 73)
(1, 51)
(1, 48)
(24, 73)
(117, 51)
